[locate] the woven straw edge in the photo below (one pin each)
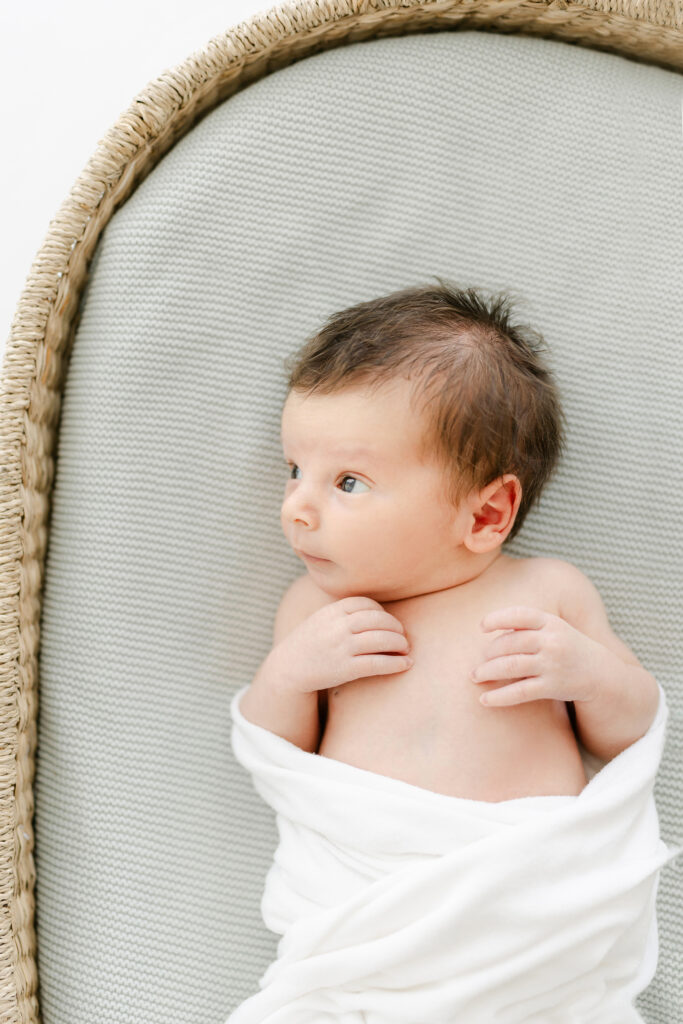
(37, 353)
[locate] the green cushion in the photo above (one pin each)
(495, 160)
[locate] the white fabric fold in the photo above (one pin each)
(397, 905)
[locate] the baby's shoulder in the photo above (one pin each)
(301, 599)
(551, 569)
(555, 571)
(556, 580)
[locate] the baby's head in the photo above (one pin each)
(462, 422)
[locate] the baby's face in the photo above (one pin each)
(359, 496)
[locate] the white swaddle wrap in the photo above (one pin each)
(397, 905)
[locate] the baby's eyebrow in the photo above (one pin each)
(352, 452)
(347, 453)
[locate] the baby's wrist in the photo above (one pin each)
(282, 672)
(602, 676)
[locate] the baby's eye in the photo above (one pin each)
(356, 480)
(294, 469)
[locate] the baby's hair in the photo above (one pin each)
(491, 404)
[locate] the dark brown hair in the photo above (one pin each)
(491, 404)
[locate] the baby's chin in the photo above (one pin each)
(327, 586)
(333, 583)
(336, 587)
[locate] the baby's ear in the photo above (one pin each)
(493, 513)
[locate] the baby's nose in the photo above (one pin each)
(298, 510)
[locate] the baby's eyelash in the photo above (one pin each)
(342, 476)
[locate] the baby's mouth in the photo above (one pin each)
(312, 558)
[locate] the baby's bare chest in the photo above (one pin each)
(427, 726)
(420, 705)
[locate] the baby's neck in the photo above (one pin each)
(467, 569)
(482, 563)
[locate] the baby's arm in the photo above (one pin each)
(571, 656)
(627, 695)
(291, 714)
(320, 642)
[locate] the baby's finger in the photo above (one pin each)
(518, 641)
(380, 664)
(368, 618)
(512, 666)
(514, 617)
(521, 692)
(372, 640)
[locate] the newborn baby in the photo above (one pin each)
(419, 429)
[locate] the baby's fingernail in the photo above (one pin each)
(484, 699)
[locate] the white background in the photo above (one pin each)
(70, 68)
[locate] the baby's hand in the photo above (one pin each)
(542, 657)
(342, 641)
